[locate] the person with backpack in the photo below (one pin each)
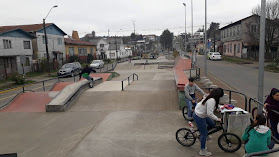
(190, 96)
(257, 136)
(204, 116)
(85, 73)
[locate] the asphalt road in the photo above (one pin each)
(242, 78)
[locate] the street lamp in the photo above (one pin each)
(185, 26)
(44, 25)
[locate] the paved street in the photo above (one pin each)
(242, 78)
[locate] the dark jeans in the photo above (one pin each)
(203, 124)
(190, 104)
(274, 128)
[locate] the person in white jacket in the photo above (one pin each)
(204, 116)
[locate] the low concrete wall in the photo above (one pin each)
(68, 95)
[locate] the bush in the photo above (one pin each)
(90, 58)
(107, 60)
(18, 78)
(74, 59)
(175, 54)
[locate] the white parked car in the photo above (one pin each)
(214, 56)
(97, 64)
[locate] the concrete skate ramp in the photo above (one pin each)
(126, 100)
(61, 85)
(29, 102)
(152, 86)
(124, 66)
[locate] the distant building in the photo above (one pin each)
(55, 40)
(16, 51)
(241, 39)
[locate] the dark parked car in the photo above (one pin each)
(69, 69)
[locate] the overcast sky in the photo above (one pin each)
(150, 16)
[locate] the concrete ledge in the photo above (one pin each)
(68, 95)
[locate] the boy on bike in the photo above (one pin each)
(85, 73)
(190, 96)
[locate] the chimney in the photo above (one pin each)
(75, 35)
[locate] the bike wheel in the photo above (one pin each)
(185, 112)
(229, 142)
(185, 137)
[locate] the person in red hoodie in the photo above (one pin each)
(272, 103)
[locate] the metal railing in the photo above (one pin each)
(128, 78)
(230, 95)
(262, 152)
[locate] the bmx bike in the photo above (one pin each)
(228, 142)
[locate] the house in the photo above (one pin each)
(102, 47)
(79, 48)
(76, 47)
(116, 48)
(241, 38)
(55, 40)
(15, 51)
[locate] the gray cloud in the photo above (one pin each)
(151, 16)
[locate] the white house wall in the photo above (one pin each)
(16, 51)
(52, 45)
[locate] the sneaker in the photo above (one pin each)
(204, 152)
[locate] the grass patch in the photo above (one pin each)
(14, 85)
(271, 68)
(236, 60)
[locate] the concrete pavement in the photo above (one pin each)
(140, 121)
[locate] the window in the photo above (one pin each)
(91, 51)
(102, 45)
(71, 51)
(82, 51)
(230, 48)
(253, 28)
(230, 32)
(224, 48)
(59, 41)
(112, 55)
(27, 61)
(7, 44)
(233, 31)
(26, 45)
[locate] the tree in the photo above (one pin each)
(133, 36)
(200, 30)
(212, 29)
(272, 24)
(166, 39)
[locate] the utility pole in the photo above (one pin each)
(261, 56)
(47, 53)
(205, 41)
(214, 40)
(193, 56)
(108, 32)
(185, 30)
(135, 36)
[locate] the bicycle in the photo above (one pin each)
(187, 137)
